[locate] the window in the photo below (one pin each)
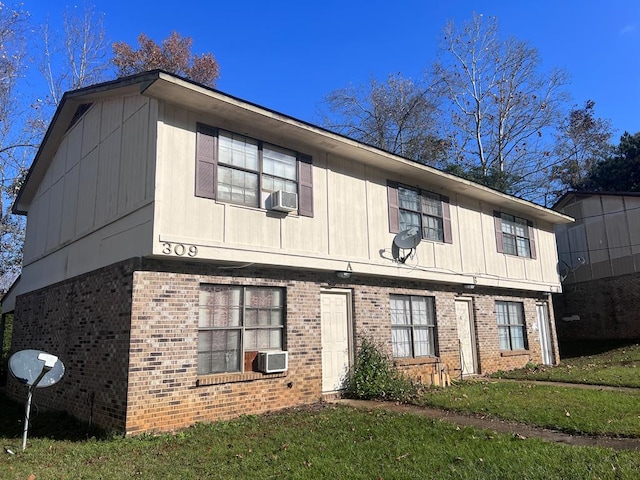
(238, 169)
(413, 326)
(411, 207)
(234, 320)
(511, 331)
(514, 235)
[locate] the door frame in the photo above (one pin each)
(472, 334)
(348, 293)
(544, 327)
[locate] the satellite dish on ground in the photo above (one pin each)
(405, 240)
(28, 365)
(36, 369)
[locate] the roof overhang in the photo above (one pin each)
(196, 97)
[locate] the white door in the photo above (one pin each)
(335, 340)
(466, 336)
(545, 333)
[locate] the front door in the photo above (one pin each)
(545, 334)
(336, 353)
(466, 336)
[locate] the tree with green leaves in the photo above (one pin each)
(499, 107)
(397, 115)
(620, 172)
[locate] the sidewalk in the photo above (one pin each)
(501, 426)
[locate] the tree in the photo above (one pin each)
(498, 106)
(397, 115)
(78, 57)
(620, 172)
(581, 142)
(173, 56)
(15, 136)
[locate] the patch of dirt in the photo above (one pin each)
(501, 426)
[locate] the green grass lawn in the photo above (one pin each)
(568, 409)
(316, 442)
(619, 367)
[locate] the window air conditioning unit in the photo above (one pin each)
(273, 362)
(284, 201)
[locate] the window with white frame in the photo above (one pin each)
(511, 328)
(234, 320)
(413, 326)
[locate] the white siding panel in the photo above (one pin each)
(134, 160)
(347, 209)
(70, 204)
(633, 218)
(111, 117)
(596, 239)
(55, 215)
(91, 129)
(74, 146)
(29, 248)
(468, 236)
(87, 192)
(58, 165)
(108, 175)
(42, 224)
(245, 226)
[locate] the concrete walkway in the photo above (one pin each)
(501, 426)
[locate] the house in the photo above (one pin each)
(191, 256)
(600, 265)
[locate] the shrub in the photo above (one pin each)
(373, 377)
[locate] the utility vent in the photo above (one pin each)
(284, 201)
(273, 362)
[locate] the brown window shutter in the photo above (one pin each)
(394, 207)
(497, 221)
(446, 220)
(532, 240)
(206, 161)
(305, 185)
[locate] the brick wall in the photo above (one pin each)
(91, 320)
(605, 309)
(85, 322)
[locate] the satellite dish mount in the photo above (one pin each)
(405, 240)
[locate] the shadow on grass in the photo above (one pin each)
(582, 348)
(43, 424)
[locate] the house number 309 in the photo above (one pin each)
(179, 249)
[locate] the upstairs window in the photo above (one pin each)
(411, 207)
(238, 169)
(413, 326)
(511, 330)
(514, 235)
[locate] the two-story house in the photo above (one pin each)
(599, 258)
(191, 256)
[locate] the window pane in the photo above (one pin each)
(279, 162)
(218, 351)
(408, 220)
(523, 247)
(508, 224)
(237, 186)
(509, 244)
(503, 335)
(400, 311)
(419, 312)
(238, 150)
(432, 228)
(431, 205)
(423, 342)
(409, 199)
(517, 338)
(401, 338)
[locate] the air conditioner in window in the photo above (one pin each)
(273, 362)
(284, 201)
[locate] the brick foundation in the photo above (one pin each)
(128, 337)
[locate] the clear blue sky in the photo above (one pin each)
(286, 55)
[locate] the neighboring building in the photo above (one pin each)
(600, 266)
(174, 232)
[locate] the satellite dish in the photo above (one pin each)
(405, 240)
(28, 365)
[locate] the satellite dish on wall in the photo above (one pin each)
(405, 240)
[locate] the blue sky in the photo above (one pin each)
(287, 55)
